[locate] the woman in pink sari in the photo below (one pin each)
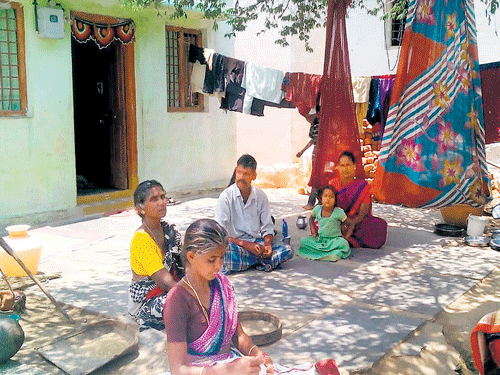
(361, 229)
(201, 314)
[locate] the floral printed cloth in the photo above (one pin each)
(432, 151)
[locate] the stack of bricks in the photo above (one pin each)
(370, 146)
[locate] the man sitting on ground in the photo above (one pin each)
(243, 210)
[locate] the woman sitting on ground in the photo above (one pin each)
(154, 257)
(201, 315)
(361, 229)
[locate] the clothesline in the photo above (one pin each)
(247, 87)
(242, 86)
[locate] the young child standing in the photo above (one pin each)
(326, 242)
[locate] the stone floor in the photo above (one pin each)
(404, 309)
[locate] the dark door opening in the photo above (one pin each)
(100, 128)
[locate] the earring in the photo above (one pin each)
(143, 212)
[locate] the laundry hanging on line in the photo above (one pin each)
(243, 86)
(216, 74)
(225, 77)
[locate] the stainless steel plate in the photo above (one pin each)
(495, 243)
(495, 212)
(477, 241)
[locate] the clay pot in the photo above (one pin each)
(11, 337)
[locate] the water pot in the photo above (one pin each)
(11, 336)
(302, 222)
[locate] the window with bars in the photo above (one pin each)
(397, 30)
(179, 94)
(394, 28)
(12, 68)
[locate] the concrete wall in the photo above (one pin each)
(37, 164)
(267, 138)
(37, 153)
(184, 151)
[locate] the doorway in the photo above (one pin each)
(104, 118)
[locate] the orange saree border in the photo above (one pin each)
(395, 188)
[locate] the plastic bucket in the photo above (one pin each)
(26, 247)
(475, 225)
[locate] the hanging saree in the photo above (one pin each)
(432, 152)
(338, 128)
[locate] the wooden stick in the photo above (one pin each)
(11, 252)
(7, 281)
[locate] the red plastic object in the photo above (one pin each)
(327, 367)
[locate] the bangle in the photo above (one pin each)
(250, 351)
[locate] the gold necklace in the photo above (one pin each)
(186, 281)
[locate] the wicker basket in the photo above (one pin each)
(458, 214)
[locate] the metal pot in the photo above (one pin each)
(302, 222)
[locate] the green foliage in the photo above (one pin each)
(491, 8)
(288, 17)
(398, 10)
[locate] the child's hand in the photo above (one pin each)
(314, 233)
(348, 228)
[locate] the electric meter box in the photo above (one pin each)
(50, 23)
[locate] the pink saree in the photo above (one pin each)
(372, 231)
(222, 324)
